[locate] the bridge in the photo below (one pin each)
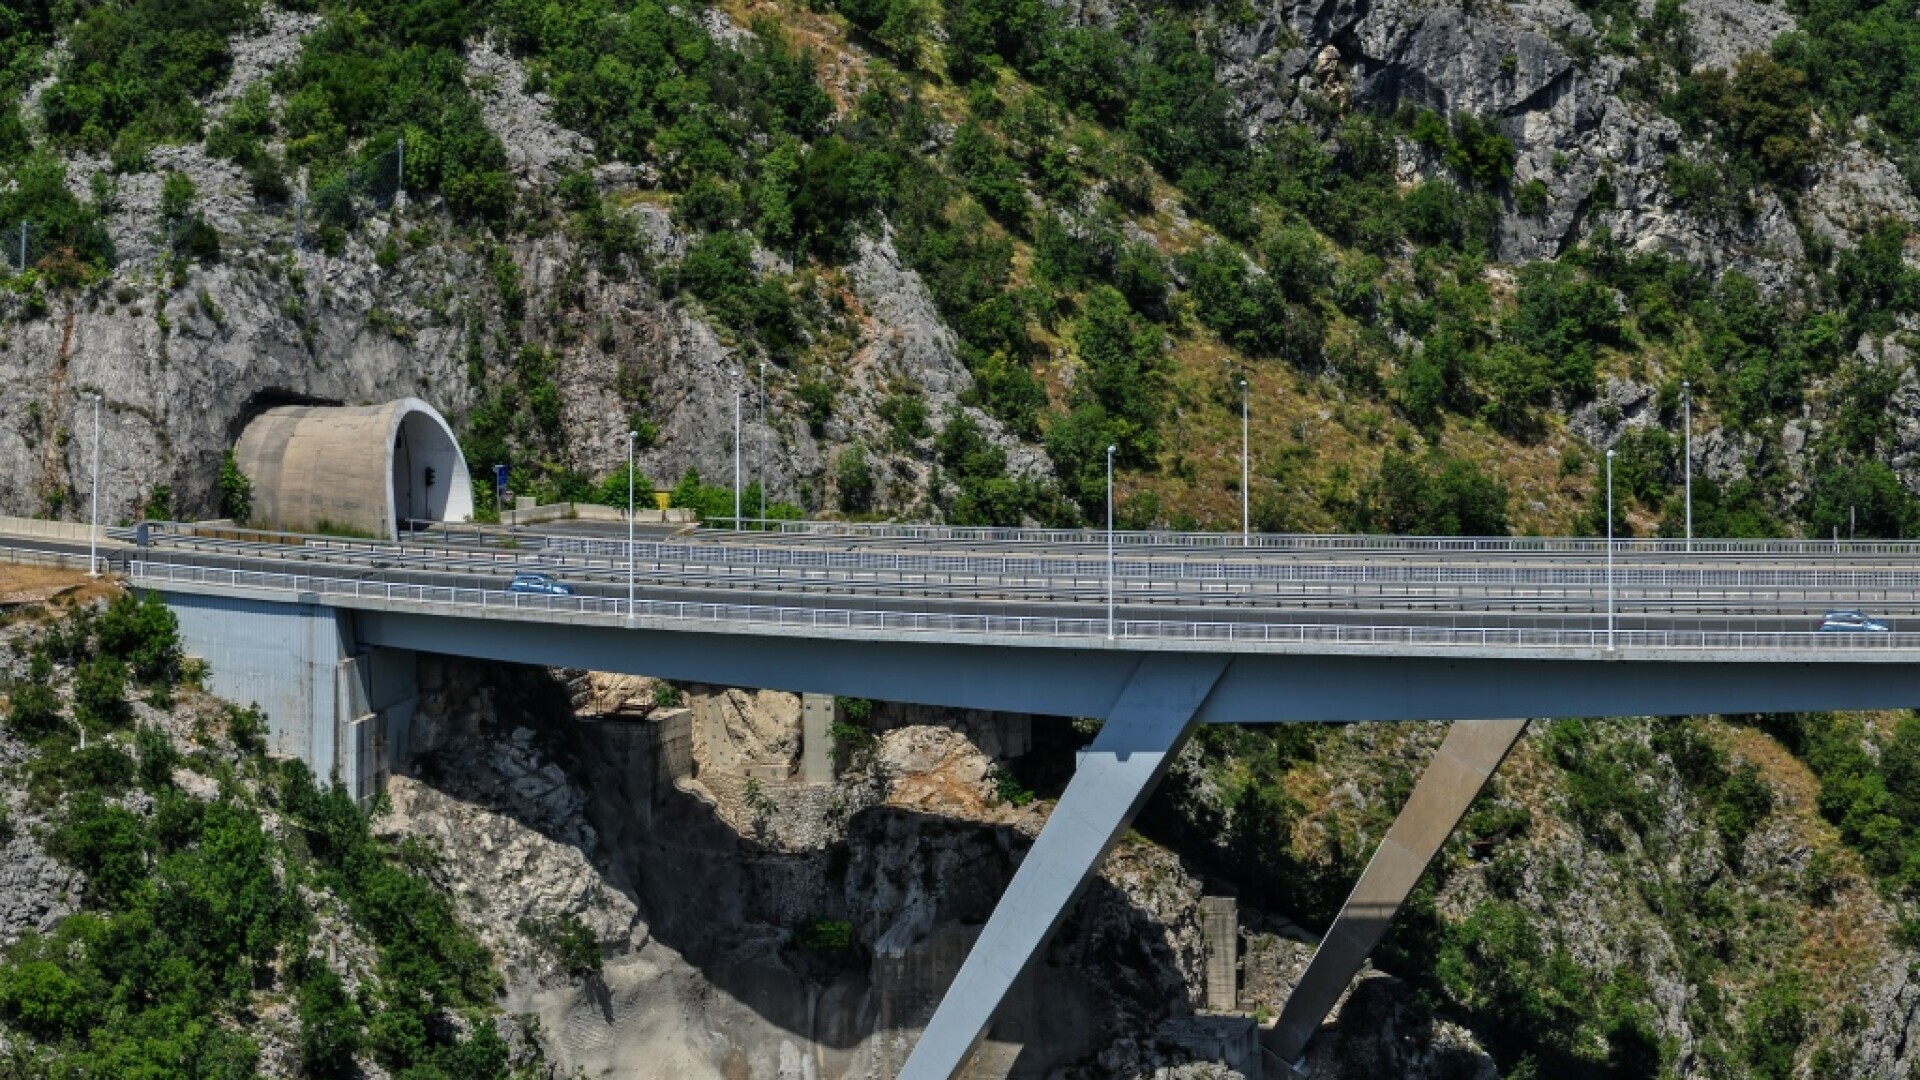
(1151, 632)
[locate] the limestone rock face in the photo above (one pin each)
(1600, 156)
(698, 889)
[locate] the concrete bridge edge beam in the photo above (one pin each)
(1467, 759)
(1143, 733)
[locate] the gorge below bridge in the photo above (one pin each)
(1152, 633)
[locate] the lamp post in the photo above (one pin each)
(1609, 551)
(736, 457)
(1246, 533)
(633, 437)
(763, 443)
(93, 533)
(1686, 401)
(1110, 450)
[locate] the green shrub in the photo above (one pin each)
(100, 693)
(107, 843)
(825, 936)
(1008, 789)
(1438, 497)
(853, 480)
(613, 491)
(330, 1026)
(709, 501)
(236, 491)
(157, 756)
(906, 417)
(853, 744)
(46, 1001)
(568, 940)
(33, 710)
(145, 634)
(247, 728)
(142, 65)
(817, 403)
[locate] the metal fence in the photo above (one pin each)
(1201, 578)
(22, 244)
(1333, 542)
(765, 619)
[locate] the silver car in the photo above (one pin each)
(539, 584)
(1851, 622)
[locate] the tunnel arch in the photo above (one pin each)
(366, 469)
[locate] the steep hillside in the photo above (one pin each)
(175, 904)
(1447, 256)
(1453, 254)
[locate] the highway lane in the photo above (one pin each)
(1092, 613)
(1044, 578)
(1501, 613)
(1310, 599)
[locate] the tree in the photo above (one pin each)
(1440, 497)
(853, 479)
(236, 491)
(1863, 498)
(33, 709)
(1123, 374)
(144, 633)
(613, 490)
(100, 692)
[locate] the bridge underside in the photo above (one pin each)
(1255, 688)
(1150, 698)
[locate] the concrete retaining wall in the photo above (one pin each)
(35, 529)
(539, 515)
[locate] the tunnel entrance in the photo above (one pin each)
(429, 474)
(370, 469)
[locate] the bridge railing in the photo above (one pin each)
(1226, 543)
(1338, 542)
(778, 618)
(1188, 579)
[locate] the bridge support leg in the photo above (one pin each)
(1473, 749)
(1144, 730)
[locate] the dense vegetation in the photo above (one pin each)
(1038, 223)
(196, 911)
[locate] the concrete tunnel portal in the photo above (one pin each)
(367, 469)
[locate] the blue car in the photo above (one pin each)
(538, 583)
(1851, 622)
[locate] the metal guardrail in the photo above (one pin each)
(1345, 542)
(1225, 543)
(774, 619)
(35, 557)
(1177, 579)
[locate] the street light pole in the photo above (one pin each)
(1609, 551)
(1110, 450)
(1686, 398)
(763, 443)
(633, 437)
(1246, 533)
(736, 457)
(93, 533)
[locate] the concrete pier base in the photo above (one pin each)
(344, 708)
(1220, 927)
(1473, 749)
(818, 713)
